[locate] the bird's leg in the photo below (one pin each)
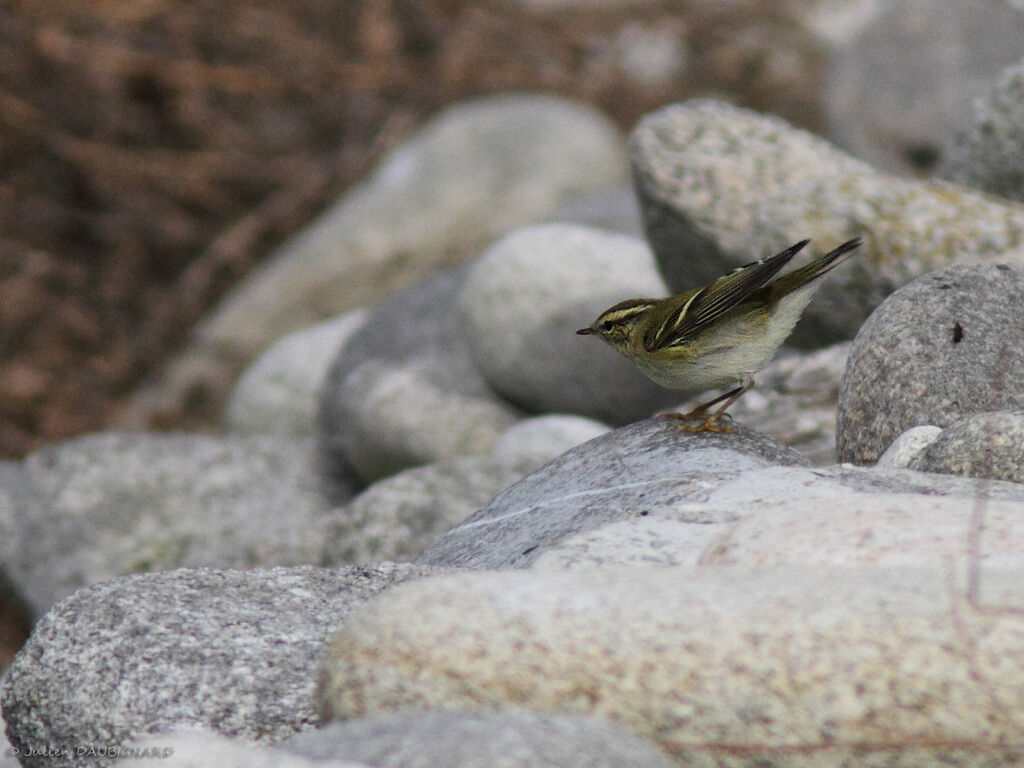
(710, 420)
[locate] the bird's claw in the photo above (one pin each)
(710, 422)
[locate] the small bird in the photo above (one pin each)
(719, 335)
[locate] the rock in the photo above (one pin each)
(908, 445)
(848, 517)
(399, 517)
(563, 6)
(651, 55)
(806, 665)
(794, 401)
(837, 22)
(989, 153)
(16, 496)
(635, 541)
(644, 469)
(612, 210)
(720, 186)
(403, 391)
(542, 438)
(791, 515)
(988, 445)
(478, 169)
(234, 651)
(110, 504)
(8, 752)
(898, 94)
(525, 298)
(279, 393)
(197, 748)
(946, 346)
(472, 739)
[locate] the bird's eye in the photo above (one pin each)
(607, 325)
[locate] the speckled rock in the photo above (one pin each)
(944, 347)
(279, 394)
(721, 185)
(811, 666)
(989, 153)
(840, 515)
(109, 504)
(474, 739)
(908, 445)
(525, 298)
(404, 391)
(900, 91)
(644, 469)
(989, 445)
(234, 651)
(401, 516)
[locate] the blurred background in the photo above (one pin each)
(154, 151)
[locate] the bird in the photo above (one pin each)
(719, 335)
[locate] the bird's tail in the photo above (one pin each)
(791, 281)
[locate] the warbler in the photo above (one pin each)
(719, 335)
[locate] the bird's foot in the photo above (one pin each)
(709, 422)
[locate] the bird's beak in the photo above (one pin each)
(585, 331)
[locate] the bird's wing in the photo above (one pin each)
(708, 304)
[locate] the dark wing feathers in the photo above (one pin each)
(714, 300)
(815, 269)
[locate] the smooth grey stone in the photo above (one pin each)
(721, 665)
(404, 390)
(987, 445)
(721, 186)
(279, 393)
(473, 739)
(900, 91)
(614, 210)
(109, 504)
(647, 468)
(908, 445)
(480, 168)
(542, 438)
(837, 22)
(16, 503)
(948, 345)
(234, 651)
(989, 153)
(525, 298)
(13, 494)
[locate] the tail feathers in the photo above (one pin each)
(811, 272)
